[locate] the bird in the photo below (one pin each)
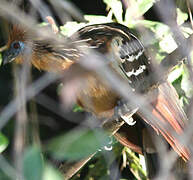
(126, 56)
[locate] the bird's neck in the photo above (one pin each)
(45, 61)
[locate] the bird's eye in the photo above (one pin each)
(16, 45)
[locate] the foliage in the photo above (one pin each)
(33, 160)
(85, 141)
(80, 143)
(3, 142)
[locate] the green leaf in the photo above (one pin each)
(33, 164)
(71, 27)
(187, 31)
(181, 17)
(186, 84)
(167, 44)
(134, 164)
(162, 34)
(136, 9)
(0, 59)
(51, 174)
(43, 24)
(96, 19)
(77, 108)
(77, 144)
(144, 6)
(154, 26)
(175, 74)
(3, 142)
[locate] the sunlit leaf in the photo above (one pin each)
(71, 27)
(77, 144)
(181, 16)
(134, 164)
(96, 19)
(51, 174)
(184, 101)
(144, 6)
(154, 26)
(162, 34)
(167, 44)
(0, 59)
(3, 142)
(186, 84)
(131, 14)
(187, 31)
(136, 9)
(161, 30)
(160, 56)
(142, 163)
(33, 164)
(128, 19)
(175, 74)
(77, 108)
(43, 24)
(116, 7)
(181, 5)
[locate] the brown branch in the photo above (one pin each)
(20, 137)
(69, 169)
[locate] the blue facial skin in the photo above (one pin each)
(16, 48)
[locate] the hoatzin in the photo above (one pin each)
(125, 55)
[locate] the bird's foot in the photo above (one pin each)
(124, 111)
(121, 108)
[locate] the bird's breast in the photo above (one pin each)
(98, 97)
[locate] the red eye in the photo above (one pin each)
(16, 45)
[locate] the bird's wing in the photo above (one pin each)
(122, 49)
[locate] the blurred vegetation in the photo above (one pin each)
(83, 142)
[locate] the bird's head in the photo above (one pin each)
(16, 45)
(13, 52)
(43, 53)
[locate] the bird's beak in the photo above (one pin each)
(7, 57)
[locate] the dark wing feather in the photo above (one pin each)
(128, 59)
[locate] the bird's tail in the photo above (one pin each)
(170, 118)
